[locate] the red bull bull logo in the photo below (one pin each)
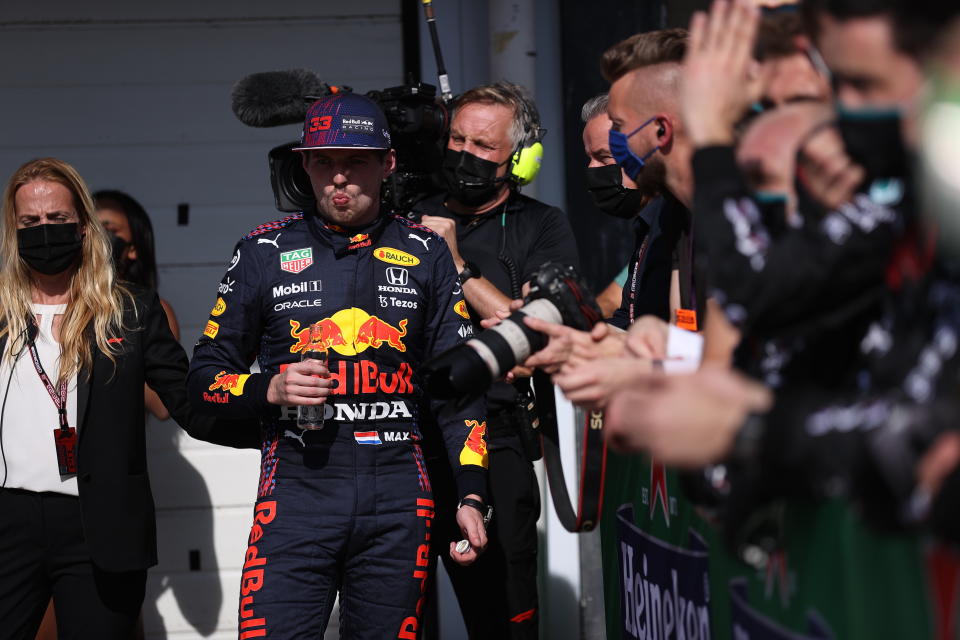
(232, 382)
(375, 332)
(349, 332)
(331, 335)
(359, 241)
(475, 447)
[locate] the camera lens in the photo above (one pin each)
(469, 368)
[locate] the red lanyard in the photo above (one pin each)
(65, 437)
(59, 396)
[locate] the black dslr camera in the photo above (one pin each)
(418, 127)
(557, 294)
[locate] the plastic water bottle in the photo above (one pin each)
(311, 416)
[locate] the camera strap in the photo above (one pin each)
(593, 461)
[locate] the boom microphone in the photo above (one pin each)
(274, 98)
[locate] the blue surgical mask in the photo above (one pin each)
(630, 162)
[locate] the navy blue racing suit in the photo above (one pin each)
(349, 507)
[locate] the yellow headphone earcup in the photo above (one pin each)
(526, 163)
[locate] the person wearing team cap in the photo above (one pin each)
(347, 507)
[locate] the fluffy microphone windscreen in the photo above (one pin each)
(274, 98)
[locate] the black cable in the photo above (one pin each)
(516, 287)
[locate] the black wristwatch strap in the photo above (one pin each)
(469, 270)
(485, 511)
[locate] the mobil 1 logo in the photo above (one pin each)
(297, 288)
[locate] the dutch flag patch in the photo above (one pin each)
(367, 437)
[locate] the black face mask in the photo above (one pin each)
(605, 184)
(50, 248)
(121, 262)
(874, 141)
(470, 180)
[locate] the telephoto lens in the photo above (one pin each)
(557, 295)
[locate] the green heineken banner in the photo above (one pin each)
(668, 576)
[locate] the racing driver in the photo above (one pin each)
(347, 507)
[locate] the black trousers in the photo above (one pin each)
(42, 554)
(497, 593)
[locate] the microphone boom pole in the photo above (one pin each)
(442, 77)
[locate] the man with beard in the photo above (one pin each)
(498, 239)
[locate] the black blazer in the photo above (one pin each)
(115, 498)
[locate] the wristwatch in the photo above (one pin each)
(485, 511)
(470, 270)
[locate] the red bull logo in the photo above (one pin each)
(349, 332)
(232, 382)
(255, 573)
(475, 447)
(359, 241)
(375, 332)
(331, 335)
(365, 377)
(409, 627)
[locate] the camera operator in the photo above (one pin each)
(498, 238)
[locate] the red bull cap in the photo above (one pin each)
(344, 121)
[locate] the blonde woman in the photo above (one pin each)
(77, 518)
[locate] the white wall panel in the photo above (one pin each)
(221, 542)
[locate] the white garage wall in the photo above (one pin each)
(137, 97)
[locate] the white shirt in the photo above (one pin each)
(30, 416)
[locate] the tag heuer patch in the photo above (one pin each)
(297, 260)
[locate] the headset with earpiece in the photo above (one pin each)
(527, 159)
